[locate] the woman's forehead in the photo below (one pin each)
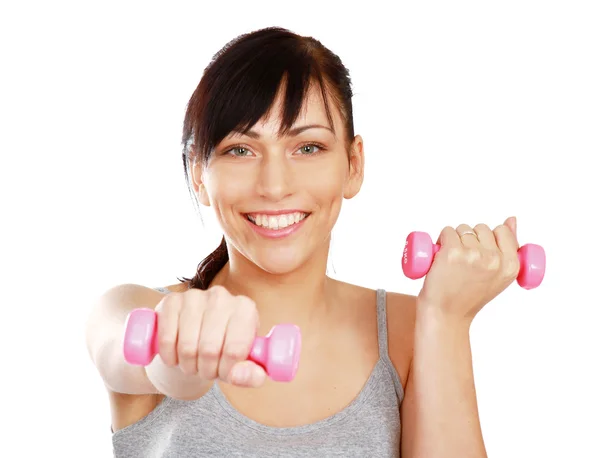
(312, 112)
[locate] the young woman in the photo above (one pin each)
(269, 145)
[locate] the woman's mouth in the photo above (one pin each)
(276, 222)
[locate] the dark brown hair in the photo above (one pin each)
(239, 87)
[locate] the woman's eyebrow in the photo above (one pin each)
(292, 132)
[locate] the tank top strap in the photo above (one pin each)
(161, 289)
(382, 336)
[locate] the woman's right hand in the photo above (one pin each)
(209, 334)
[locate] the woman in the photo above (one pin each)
(269, 144)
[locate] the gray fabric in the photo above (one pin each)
(210, 426)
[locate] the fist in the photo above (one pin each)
(209, 334)
(472, 267)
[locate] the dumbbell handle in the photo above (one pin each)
(532, 262)
(437, 246)
(141, 346)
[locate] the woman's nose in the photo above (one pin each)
(275, 179)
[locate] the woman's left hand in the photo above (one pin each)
(471, 268)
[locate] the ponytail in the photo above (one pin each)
(209, 267)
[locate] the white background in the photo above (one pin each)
(470, 111)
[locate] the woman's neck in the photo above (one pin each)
(303, 297)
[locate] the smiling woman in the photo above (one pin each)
(291, 182)
(301, 159)
(269, 145)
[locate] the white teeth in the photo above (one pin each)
(273, 224)
(277, 222)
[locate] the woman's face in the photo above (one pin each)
(277, 199)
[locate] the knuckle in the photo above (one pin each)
(455, 255)
(166, 341)
(473, 255)
(218, 297)
(208, 350)
(512, 267)
(168, 304)
(187, 350)
(482, 228)
(236, 350)
(463, 228)
(501, 229)
(168, 358)
(196, 297)
(194, 293)
(188, 367)
(493, 261)
(218, 291)
(187, 370)
(207, 372)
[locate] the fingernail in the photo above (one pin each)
(240, 374)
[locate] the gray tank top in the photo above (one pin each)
(211, 427)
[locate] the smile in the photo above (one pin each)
(276, 222)
(276, 226)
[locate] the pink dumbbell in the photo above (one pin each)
(278, 352)
(419, 251)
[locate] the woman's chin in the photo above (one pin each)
(280, 262)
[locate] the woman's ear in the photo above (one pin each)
(357, 167)
(197, 171)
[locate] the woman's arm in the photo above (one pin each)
(104, 337)
(439, 413)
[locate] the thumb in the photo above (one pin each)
(247, 374)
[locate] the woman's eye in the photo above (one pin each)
(239, 151)
(305, 150)
(309, 149)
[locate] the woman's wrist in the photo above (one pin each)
(433, 316)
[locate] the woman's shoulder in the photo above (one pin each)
(400, 307)
(400, 317)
